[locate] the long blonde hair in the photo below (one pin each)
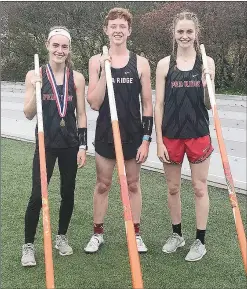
(68, 61)
(187, 16)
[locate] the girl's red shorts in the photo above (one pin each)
(196, 149)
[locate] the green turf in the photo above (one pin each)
(109, 268)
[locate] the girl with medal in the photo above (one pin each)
(62, 92)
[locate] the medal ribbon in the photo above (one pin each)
(63, 102)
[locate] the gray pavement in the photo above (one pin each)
(232, 113)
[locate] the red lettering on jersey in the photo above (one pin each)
(198, 83)
(174, 84)
(53, 97)
(46, 97)
(185, 83)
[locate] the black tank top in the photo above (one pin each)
(185, 114)
(127, 87)
(57, 136)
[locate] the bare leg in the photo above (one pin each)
(173, 179)
(104, 169)
(133, 180)
(199, 174)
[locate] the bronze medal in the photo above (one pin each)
(62, 122)
(61, 99)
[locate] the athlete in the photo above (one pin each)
(131, 78)
(182, 127)
(63, 91)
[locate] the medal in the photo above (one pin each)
(61, 103)
(62, 122)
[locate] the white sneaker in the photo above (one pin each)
(174, 242)
(28, 258)
(63, 246)
(141, 247)
(94, 243)
(197, 251)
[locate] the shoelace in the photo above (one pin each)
(28, 250)
(196, 245)
(173, 237)
(139, 241)
(63, 240)
(94, 241)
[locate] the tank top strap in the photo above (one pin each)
(198, 63)
(199, 58)
(132, 59)
(71, 78)
(132, 64)
(43, 72)
(173, 62)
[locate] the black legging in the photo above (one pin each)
(67, 163)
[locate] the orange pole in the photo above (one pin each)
(135, 267)
(130, 232)
(44, 187)
(228, 176)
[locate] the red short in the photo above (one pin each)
(197, 149)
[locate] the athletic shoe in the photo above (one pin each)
(28, 258)
(141, 247)
(197, 251)
(63, 246)
(94, 243)
(174, 242)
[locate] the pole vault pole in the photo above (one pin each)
(134, 259)
(225, 163)
(44, 187)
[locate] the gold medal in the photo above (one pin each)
(62, 122)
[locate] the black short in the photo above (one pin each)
(107, 150)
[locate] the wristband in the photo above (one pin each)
(82, 134)
(83, 147)
(147, 125)
(147, 138)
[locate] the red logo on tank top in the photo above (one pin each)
(53, 97)
(190, 83)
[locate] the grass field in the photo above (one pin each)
(109, 268)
